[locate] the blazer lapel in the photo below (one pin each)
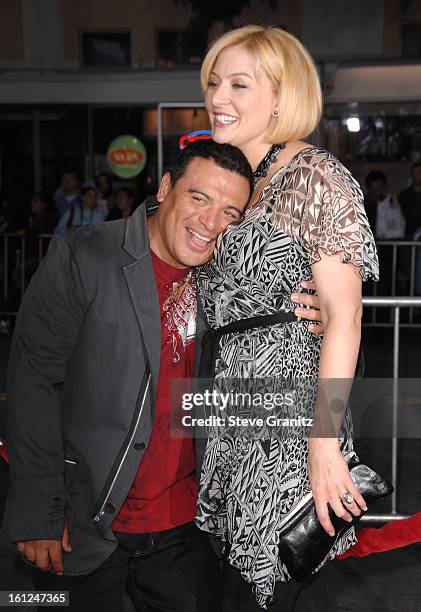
(141, 282)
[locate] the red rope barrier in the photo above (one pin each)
(395, 534)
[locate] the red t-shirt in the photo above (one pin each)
(164, 492)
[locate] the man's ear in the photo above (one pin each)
(164, 187)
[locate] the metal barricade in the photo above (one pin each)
(396, 303)
(397, 258)
(15, 247)
(400, 274)
(17, 267)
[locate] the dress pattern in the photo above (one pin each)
(248, 483)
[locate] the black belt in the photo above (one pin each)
(210, 340)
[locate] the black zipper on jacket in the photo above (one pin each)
(121, 456)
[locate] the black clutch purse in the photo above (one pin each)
(304, 543)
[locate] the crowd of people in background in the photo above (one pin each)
(73, 204)
(95, 202)
(393, 217)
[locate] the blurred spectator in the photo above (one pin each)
(125, 205)
(387, 223)
(410, 200)
(84, 213)
(103, 183)
(88, 183)
(67, 196)
(42, 221)
(104, 191)
(383, 210)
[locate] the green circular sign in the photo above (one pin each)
(126, 156)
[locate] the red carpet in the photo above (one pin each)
(395, 534)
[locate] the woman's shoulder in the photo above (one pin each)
(322, 159)
(311, 155)
(313, 160)
(330, 171)
(315, 169)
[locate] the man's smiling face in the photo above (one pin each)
(194, 211)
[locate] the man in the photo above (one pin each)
(68, 195)
(84, 213)
(42, 221)
(383, 210)
(99, 488)
(410, 201)
(124, 205)
(387, 223)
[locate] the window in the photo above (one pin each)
(106, 49)
(181, 48)
(411, 40)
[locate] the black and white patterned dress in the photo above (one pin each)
(247, 485)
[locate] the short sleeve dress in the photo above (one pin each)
(247, 485)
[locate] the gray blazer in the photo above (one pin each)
(80, 396)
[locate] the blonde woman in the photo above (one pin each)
(305, 220)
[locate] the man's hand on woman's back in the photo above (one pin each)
(310, 309)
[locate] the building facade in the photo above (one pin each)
(74, 74)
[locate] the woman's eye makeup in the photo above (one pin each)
(235, 84)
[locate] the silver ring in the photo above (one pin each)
(347, 497)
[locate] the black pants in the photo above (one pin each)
(308, 596)
(169, 571)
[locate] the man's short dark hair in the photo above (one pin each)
(224, 155)
(125, 190)
(70, 173)
(40, 195)
(85, 190)
(373, 176)
(101, 174)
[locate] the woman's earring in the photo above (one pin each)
(275, 113)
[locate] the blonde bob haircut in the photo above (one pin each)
(291, 69)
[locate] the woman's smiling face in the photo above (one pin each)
(239, 101)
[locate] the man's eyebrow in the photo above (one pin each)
(210, 199)
(202, 193)
(234, 207)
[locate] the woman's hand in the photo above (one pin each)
(330, 479)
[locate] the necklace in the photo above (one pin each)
(267, 161)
